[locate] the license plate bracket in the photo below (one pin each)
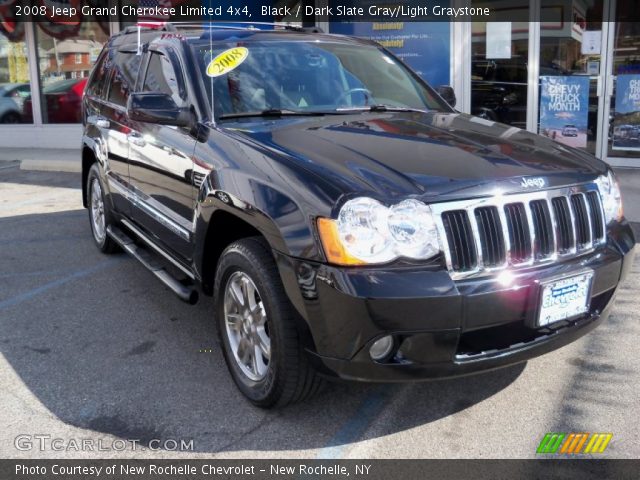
(564, 298)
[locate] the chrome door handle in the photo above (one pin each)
(102, 122)
(136, 139)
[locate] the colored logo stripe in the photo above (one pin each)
(573, 443)
(550, 443)
(598, 443)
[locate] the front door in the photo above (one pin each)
(114, 124)
(161, 165)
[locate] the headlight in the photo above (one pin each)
(611, 198)
(368, 232)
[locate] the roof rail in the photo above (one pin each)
(239, 25)
(222, 25)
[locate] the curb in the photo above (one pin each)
(71, 166)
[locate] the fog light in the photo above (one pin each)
(381, 348)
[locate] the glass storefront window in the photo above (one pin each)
(66, 55)
(14, 78)
(570, 64)
(624, 128)
(499, 64)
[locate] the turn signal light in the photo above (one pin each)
(333, 247)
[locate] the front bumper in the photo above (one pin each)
(441, 327)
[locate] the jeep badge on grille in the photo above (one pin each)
(538, 182)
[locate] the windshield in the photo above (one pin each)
(308, 76)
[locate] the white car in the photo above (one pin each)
(569, 131)
(12, 97)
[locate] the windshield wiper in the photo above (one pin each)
(275, 112)
(381, 108)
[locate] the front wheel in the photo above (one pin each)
(256, 324)
(99, 213)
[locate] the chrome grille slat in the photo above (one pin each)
(543, 226)
(505, 235)
(532, 231)
(491, 238)
(488, 234)
(476, 234)
(574, 246)
(518, 227)
(564, 229)
(583, 228)
(597, 216)
(554, 229)
(585, 202)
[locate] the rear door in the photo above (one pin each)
(160, 161)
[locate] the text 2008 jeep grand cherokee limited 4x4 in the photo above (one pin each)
(346, 220)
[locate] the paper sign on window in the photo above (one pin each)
(498, 40)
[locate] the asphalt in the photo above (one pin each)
(93, 347)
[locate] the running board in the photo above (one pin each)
(185, 293)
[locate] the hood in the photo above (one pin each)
(422, 154)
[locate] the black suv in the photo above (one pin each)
(346, 220)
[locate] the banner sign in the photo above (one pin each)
(626, 120)
(425, 47)
(564, 109)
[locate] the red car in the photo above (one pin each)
(63, 101)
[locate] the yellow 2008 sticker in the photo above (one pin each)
(227, 61)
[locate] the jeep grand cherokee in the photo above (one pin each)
(345, 219)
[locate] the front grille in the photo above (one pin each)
(583, 230)
(521, 229)
(543, 228)
(562, 213)
(519, 233)
(491, 236)
(460, 239)
(597, 219)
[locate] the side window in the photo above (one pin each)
(123, 81)
(98, 80)
(162, 78)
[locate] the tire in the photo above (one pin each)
(285, 376)
(11, 117)
(100, 216)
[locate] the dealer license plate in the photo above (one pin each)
(565, 298)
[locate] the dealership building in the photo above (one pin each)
(568, 69)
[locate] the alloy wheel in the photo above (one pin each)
(247, 326)
(97, 211)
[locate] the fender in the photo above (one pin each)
(257, 185)
(98, 149)
(274, 214)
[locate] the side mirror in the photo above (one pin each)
(447, 93)
(157, 108)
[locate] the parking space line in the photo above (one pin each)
(37, 273)
(10, 302)
(357, 425)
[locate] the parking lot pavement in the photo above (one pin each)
(629, 179)
(93, 347)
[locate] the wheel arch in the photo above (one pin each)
(231, 205)
(223, 229)
(88, 159)
(226, 227)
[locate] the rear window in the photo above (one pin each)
(98, 78)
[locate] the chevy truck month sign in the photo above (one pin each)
(564, 109)
(626, 122)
